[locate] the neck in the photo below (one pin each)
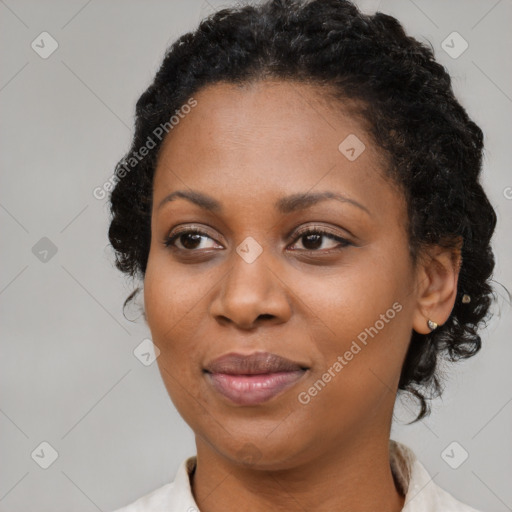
(356, 477)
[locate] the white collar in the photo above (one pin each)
(422, 494)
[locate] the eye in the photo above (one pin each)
(190, 239)
(313, 239)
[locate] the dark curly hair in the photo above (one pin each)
(433, 149)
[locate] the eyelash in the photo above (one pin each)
(169, 241)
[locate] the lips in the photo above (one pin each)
(252, 379)
(253, 364)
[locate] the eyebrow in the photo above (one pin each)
(288, 204)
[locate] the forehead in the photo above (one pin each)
(258, 113)
(269, 137)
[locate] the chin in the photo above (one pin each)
(263, 454)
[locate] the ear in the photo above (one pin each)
(436, 285)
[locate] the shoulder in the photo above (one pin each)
(156, 500)
(446, 502)
(422, 494)
(427, 495)
(171, 497)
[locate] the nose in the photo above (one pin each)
(251, 294)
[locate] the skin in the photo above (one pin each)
(247, 147)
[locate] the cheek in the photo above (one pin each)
(359, 358)
(170, 291)
(362, 313)
(172, 298)
(351, 299)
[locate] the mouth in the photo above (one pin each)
(253, 379)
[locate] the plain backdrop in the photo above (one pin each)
(68, 374)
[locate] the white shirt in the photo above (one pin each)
(421, 493)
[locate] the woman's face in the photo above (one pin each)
(339, 303)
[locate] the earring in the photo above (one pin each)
(431, 325)
(466, 299)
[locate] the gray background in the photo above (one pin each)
(68, 374)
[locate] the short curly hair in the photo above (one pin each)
(433, 149)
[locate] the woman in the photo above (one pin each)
(302, 203)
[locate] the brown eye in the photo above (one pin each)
(187, 240)
(313, 240)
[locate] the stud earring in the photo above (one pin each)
(431, 325)
(466, 299)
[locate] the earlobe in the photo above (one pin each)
(438, 273)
